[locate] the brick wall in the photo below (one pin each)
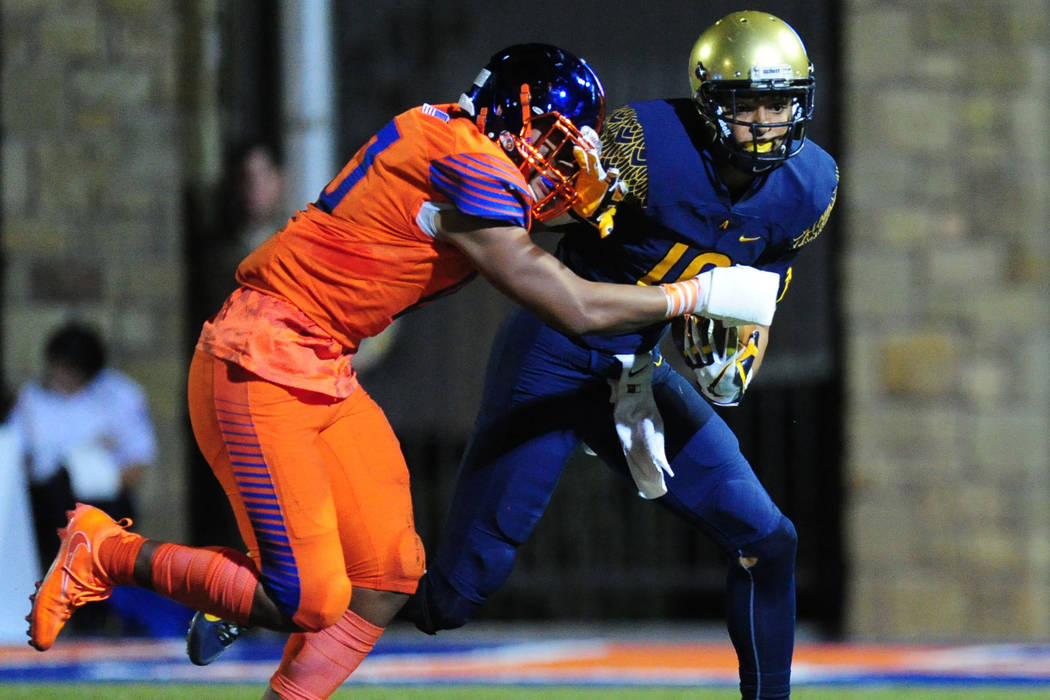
(945, 276)
(91, 202)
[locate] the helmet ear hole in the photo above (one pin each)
(508, 142)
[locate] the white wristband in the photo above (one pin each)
(740, 295)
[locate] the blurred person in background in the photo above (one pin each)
(725, 177)
(308, 461)
(226, 225)
(85, 434)
(258, 194)
(249, 208)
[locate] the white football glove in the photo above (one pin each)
(599, 189)
(721, 363)
(737, 295)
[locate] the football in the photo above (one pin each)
(702, 341)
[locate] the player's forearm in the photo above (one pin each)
(575, 306)
(540, 282)
(581, 307)
(506, 256)
(544, 285)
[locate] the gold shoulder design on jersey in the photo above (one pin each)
(811, 233)
(623, 147)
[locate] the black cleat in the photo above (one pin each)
(208, 637)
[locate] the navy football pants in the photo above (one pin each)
(543, 396)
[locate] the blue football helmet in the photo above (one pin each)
(747, 56)
(533, 99)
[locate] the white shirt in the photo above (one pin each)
(107, 421)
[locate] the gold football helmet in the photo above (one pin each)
(752, 56)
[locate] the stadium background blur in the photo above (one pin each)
(901, 418)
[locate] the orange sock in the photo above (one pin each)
(315, 664)
(117, 556)
(218, 580)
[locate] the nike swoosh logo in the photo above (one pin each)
(78, 540)
(749, 239)
(635, 373)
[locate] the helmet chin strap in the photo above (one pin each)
(738, 156)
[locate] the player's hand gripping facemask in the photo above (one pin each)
(600, 190)
(533, 100)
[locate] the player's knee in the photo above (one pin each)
(455, 609)
(493, 569)
(441, 605)
(327, 602)
(775, 549)
(478, 567)
(409, 560)
(438, 606)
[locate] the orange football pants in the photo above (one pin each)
(319, 487)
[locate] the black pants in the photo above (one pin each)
(50, 500)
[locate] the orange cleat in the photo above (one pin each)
(75, 577)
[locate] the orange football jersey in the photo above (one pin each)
(365, 251)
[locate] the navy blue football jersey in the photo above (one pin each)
(679, 218)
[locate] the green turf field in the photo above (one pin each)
(99, 691)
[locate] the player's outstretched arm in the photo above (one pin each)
(507, 257)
